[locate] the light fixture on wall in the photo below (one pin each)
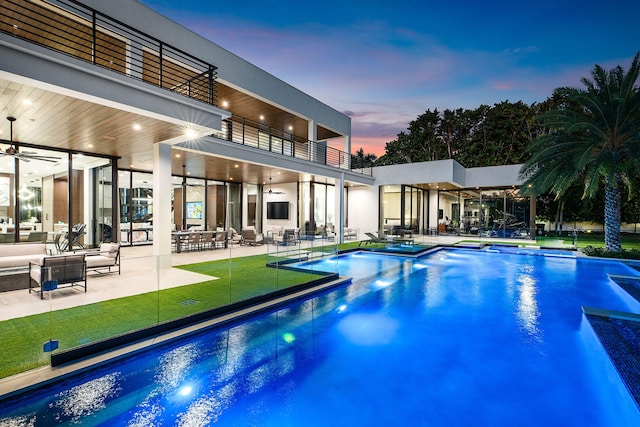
(25, 156)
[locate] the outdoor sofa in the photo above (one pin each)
(57, 271)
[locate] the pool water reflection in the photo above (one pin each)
(459, 337)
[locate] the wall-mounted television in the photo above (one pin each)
(277, 210)
(194, 210)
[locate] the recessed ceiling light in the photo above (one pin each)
(290, 127)
(190, 133)
(225, 104)
(236, 166)
(230, 178)
(178, 155)
(188, 173)
(261, 117)
(136, 126)
(89, 145)
(27, 102)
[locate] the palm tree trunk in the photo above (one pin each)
(612, 218)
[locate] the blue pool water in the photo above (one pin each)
(457, 338)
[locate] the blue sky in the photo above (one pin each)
(385, 62)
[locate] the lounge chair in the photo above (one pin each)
(372, 239)
(106, 257)
(250, 237)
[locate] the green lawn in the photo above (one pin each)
(22, 338)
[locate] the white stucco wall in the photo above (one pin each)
(363, 209)
(493, 176)
(290, 190)
(419, 173)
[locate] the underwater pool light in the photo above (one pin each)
(288, 337)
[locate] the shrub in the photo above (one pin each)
(603, 253)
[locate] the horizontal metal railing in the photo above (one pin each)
(71, 28)
(258, 135)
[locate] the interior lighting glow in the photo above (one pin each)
(288, 337)
(225, 104)
(27, 102)
(136, 126)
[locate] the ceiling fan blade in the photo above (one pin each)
(51, 159)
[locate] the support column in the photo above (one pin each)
(533, 229)
(312, 132)
(162, 205)
(347, 149)
(339, 203)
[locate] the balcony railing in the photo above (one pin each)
(71, 28)
(257, 135)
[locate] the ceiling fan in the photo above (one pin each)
(271, 190)
(25, 156)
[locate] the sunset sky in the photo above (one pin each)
(385, 62)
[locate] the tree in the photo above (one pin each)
(593, 137)
(361, 160)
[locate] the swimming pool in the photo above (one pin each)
(459, 337)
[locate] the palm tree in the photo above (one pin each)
(593, 137)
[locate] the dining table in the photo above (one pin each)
(180, 237)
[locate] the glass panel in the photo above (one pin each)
(215, 206)
(471, 212)
(234, 206)
(124, 194)
(305, 209)
(517, 214)
(448, 207)
(44, 195)
(492, 213)
(319, 207)
(141, 208)
(254, 206)
(7, 197)
(391, 207)
(88, 223)
(177, 203)
(104, 204)
(331, 208)
(195, 204)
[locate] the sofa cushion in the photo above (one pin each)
(94, 261)
(109, 250)
(19, 249)
(20, 260)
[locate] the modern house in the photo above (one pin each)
(123, 125)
